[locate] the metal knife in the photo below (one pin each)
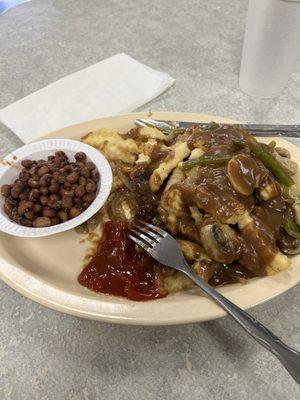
(255, 129)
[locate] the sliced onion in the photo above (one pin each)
(124, 179)
(119, 203)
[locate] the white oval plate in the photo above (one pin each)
(46, 269)
(40, 150)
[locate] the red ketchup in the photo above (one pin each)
(118, 269)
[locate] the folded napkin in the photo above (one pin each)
(116, 85)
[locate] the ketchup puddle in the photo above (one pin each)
(119, 269)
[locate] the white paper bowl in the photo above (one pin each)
(41, 150)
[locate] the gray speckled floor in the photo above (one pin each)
(46, 355)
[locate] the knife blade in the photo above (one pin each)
(255, 129)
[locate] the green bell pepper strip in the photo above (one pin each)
(272, 144)
(206, 160)
(272, 164)
(239, 142)
(212, 126)
(292, 228)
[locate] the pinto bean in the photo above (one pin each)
(26, 163)
(63, 216)
(80, 156)
(74, 212)
(41, 222)
(5, 190)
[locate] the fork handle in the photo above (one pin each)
(289, 357)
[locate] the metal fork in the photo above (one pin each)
(264, 130)
(165, 249)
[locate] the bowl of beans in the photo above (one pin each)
(51, 186)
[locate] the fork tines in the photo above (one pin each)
(146, 235)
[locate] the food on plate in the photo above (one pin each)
(50, 192)
(229, 200)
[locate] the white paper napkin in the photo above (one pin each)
(118, 84)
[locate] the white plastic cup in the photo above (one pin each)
(271, 46)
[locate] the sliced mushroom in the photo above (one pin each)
(289, 245)
(269, 188)
(244, 174)
(287, 164)
(296, 209)
(220, 242)
(283, 152)
(293, 192)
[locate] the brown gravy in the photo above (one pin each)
(212, 192)
(272, 213)
(259, 247)
(222, 192)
